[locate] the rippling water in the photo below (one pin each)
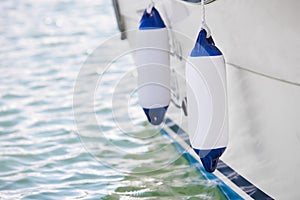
(45, 153)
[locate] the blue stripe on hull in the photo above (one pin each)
(226, 190)
(222, 167)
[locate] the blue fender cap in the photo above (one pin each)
(210, 158)
(151, 20)
(155, 115)
(205, 46)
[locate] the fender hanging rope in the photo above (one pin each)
(150, 6)
(203, 20)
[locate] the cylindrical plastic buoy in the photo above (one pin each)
(153, 66)
(207, 101)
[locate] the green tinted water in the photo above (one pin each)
(45, 153)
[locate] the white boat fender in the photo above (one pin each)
(207, 101)
(153, 66)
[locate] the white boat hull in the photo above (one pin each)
(260, 41)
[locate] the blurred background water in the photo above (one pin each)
(45, 153)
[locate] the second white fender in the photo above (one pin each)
(207, 101)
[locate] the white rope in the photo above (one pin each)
(203, 13)
(203, 20)
(150, 6)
